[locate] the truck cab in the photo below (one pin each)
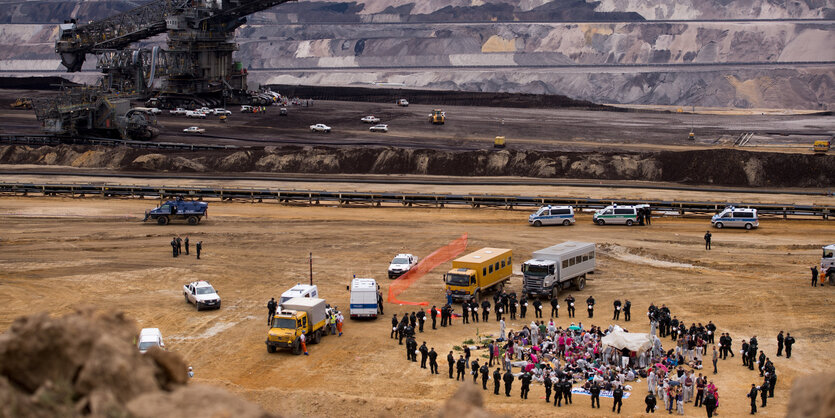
(461, 282)
(286, 329)
(828, 259)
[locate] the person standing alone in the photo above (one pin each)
(708, 236)
(815, 276)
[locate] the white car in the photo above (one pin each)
(195, 114)
(220, 111)
(403, 102)
(205, 110)
(202, 295)
(379, 128)
(320, 127)
(247, 109)
(149, 337)
(194, 130)
(401, 264)
(370, 119)
(178, 111)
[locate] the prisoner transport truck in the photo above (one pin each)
(478, 272)
(558, 267)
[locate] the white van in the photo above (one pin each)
(364, 299)
(149, 337)
(552, 215)
(735, 218)
(623, 215)
(299, 291)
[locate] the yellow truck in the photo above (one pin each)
(478, 272)
(437, 117)
(296, 316)
(821, 147)
(499, 142)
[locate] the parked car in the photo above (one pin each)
(220, 111)
(403, 102)
(178, 111)
(379, 128)
(202, 295)
(282, 111)
(194, 130)
(320, 127)
(370, 119)
(247, 109)
(149, 337)
(195, 114)
(401, 264)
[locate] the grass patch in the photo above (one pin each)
(457, 348)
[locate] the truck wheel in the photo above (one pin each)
(537, 224)
(317, 336)
(580, 282)
(193, 220)
(601, 222)
(162, 220)
(270, 349)
(748, 226)
(297, 348)
(186, 298)
(629, 222)
(555, 292)
(719, 225)
(566, 222)
(477, 296)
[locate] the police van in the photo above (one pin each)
(364, 298)
(622, 215)
(732, 217)
(552, 215)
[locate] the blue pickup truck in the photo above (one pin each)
(190, 210)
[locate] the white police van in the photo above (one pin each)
(732, 217)
(623, 215)
(552, 215)
(364, 298)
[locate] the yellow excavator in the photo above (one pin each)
(22, 103)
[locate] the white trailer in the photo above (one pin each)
(828, 262)
(299, 291)
(364, 298)
(558, 267)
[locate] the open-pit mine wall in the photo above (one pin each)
(708, 167)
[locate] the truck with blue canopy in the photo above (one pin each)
(190, 210)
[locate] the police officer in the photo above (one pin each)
(174, 246)
(651, 402)
(590, 303)
(711, 328)
(789, 342)
(433, 361)
(512, 308)
(710, 404)
(780, 344)
(475, 367)
(537, 305)
(485, 375)
(618, 395)
(444, 312)
(451, 360)
(271, 307)
(460, 368)
(413, 320)
(546, 381)
(526, 384)
(485, 310)
(421, 317)
(186, 242)
(394, 323)
(424, 354)
(627, 311)
(474, 313)
(465, 310)
(708, 235)
(617, 310)
(569, 301)
(508, 382)
(434, 314)
(523, 306)
(595, 394)
(557, 392)
(764, 392)
(566, 391)
(753, 395)
(815, 276)
(497, 380)
(555, 306)
(199, 248)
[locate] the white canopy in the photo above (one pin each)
(634, 341)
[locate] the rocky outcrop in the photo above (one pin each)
(85, 364)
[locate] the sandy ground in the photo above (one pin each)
(58, 254)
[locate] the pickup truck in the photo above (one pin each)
(401, 264)
(320, 127)
(220, 111)
(202, 295)
(194, 130)
(195, 114)
(370, 119)
(178, 111)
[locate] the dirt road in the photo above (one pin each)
(59, 254)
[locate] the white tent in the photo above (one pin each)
(618, 338)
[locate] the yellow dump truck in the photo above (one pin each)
(478, 272)
(499, 142)
(437, 117)
(821, 147)
(298, 315)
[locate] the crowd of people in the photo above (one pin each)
(573, 358)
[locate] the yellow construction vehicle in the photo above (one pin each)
(438, 117)
(22, 103)
(692, 136)
(499, 142)
(821, 147)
